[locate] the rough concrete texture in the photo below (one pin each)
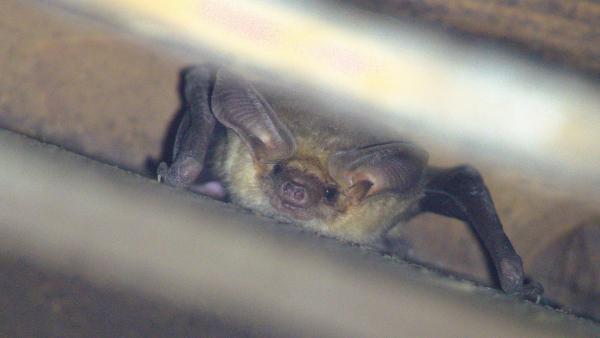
(107, 95)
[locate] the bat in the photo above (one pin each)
(275, 158)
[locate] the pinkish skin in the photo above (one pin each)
(213, 189)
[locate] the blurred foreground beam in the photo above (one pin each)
(123, 230)
(565, 32)
(456, 88)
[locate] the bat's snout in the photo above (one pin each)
(294, 194)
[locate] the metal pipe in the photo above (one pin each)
(124, 230)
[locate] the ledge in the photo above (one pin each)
(123, 230)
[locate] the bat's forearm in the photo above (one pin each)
(195, 130)
(461, 193)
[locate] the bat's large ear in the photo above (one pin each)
(237, 105)
(364, 172)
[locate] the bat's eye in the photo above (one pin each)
(277, 168)
(331, 194)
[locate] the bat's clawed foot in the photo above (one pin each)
(161, 172)
(182, 173)
(513, 281)
(532, 290)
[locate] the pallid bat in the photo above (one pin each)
(298, 168)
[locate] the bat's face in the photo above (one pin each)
(310, 189)
(302, 191)
(303, 176)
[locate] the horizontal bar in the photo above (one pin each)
(453, 87)
(120, 229)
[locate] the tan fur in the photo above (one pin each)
(317, 139)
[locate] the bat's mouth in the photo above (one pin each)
(293, 211)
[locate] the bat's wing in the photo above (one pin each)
(461, 193)
(195, 131)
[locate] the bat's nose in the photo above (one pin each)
(294, 194)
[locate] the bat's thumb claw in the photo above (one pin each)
(532, 290)
(513, 281)
(182, 172)
(161, 172)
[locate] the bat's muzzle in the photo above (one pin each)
(294, 194)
